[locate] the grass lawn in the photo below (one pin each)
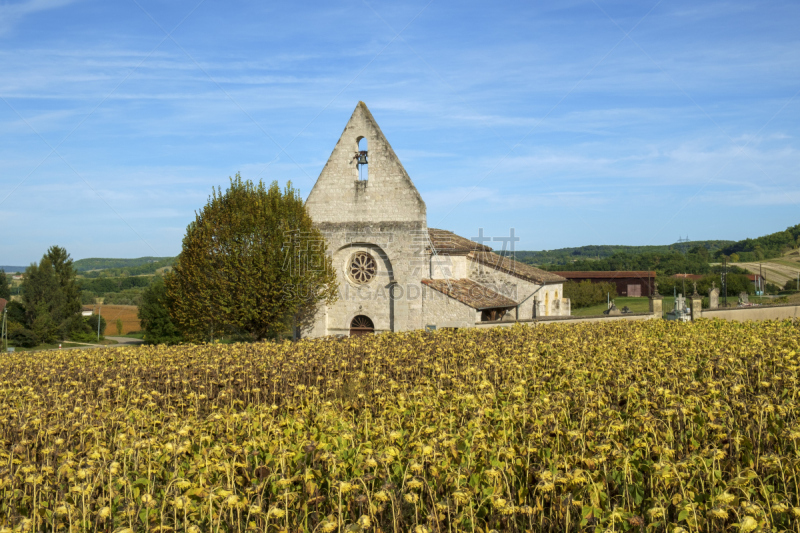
(133, 335)
(636, 305)
(642, 304)
(46, 346)
(64, 344)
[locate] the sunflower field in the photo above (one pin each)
(623, 426)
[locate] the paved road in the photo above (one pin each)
(125, 340)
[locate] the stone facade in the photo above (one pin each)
(379, 225)
(446, 312)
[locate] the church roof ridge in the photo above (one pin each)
(515, 268)
(448, 243)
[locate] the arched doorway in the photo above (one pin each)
(361, 325)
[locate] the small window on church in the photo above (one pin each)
(362, 158)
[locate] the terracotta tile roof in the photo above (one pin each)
(608, 274)
(470, 293)
(447, 242)
(3, 303)
(687, 276)
(515, 268)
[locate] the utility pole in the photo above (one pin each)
(725, 281)
(99, 302)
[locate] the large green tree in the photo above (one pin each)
(154, 316)
(51, 296)
(5, 290)
(252, 263)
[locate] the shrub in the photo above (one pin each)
(74, 325)
(772, 288)
(586, 293)
(84, 336)
(92, 321)
(737, 283)
(22, 337)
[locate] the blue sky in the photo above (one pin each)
(599, 122)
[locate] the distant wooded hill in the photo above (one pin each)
(122, 267)
(568, 256)
(686, 257)
(766, 247)
(10, 269)
(94, 263)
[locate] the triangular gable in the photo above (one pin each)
(388, 195)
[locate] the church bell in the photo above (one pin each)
(362, 157)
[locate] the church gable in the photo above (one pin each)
(371, 187)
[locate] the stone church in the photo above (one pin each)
(394, 272)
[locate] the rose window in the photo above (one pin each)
(362, 267)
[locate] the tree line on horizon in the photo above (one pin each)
(666, 260)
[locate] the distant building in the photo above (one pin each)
(628, 282)
(757, 280)
(693, 277)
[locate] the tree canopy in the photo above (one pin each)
(51, 297)
(154, 316)
(252, 263)
(5, 290)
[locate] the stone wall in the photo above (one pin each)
(444, 312)
(572, 320)
(742, 314)
(445, 266)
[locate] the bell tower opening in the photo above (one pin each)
(361, 159)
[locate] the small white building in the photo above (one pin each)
(394, 272)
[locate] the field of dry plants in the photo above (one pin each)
(638, 426)
(127, 313)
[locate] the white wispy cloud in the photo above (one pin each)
(11, 13)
